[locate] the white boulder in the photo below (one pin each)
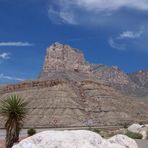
(141, 129)
(135, 128)
(74, 139)
(107, 144)
(124, 141)
(62, 139)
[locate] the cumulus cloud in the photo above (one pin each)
(4, 56)
(16, 44)
(2, 76)
(76, 11)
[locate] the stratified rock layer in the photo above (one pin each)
(70, 103)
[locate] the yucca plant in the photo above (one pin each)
(13, 108)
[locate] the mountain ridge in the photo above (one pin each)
(76, 63)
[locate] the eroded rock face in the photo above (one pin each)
(140, 78)
(61, 58)
(67, 63)
(112, 75)
(75, 139)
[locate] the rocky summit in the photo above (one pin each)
(70, 92)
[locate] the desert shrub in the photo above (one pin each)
(96, 130)
(147, 135)
(141, 123)
(125, 125)
(134, 135)
(31, 131)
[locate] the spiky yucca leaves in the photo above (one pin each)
(13, 108)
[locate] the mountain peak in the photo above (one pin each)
(58, 45)
(63, 58)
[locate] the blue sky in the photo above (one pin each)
(108, 32)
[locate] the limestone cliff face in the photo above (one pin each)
(63, 58)
(66, 63)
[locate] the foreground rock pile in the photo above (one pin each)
(75, 139)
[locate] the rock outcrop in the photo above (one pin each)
(75, 139)
(62, 61)
(65, 62)
(140, 78)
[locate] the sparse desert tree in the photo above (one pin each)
(13, 108)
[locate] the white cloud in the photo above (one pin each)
(16, 44)
(2, 76)
(75, 11)
(131, 34)
(99, 5)
(115, 45)
(61, 16)
(5, 56)
(131, 40)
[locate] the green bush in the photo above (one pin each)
(141, 123)
(96, 130)
(31, 131)
(134, 135)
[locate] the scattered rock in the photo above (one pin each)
(135, 128)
